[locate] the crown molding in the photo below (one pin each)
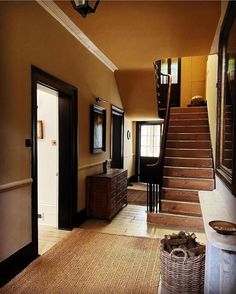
(66, 22)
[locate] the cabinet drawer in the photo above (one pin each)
(113, 185)
(122, 176)
(121, 195)
(113, 202)
(121, 202)
(121, 186)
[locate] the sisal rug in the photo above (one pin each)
(88, 262)
(137, 197)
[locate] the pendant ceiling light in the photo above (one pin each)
(83, 6)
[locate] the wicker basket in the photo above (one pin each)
(182, 274)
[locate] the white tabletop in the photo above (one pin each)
(214, 207)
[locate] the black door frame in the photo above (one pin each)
(39, 76)
(120, 112)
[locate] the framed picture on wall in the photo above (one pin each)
(40, 129)
(97, 129)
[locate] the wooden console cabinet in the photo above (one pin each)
(106, 193)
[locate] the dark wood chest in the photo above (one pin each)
(106, 193)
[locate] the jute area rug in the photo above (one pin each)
(137, 197)
(90, 262)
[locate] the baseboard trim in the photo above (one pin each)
(81, 217)
(15, 263)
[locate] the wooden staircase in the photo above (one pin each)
(188, 168)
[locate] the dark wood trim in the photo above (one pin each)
(81, 217)
(15, 263)
(179, 80)
(115, 110)
(67, 196)
(224, 175)
(39, 76)
(137, 147)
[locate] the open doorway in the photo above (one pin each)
(47, 152)
(54, 153)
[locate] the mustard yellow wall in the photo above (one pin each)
(211, 96)
(138, 93)
(129, 162)
(29, 35)
(193, 78)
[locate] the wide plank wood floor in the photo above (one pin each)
(49, 236)
(131, 221)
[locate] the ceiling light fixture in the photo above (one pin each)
(83, 6)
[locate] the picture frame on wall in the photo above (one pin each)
(40, 129)
(97, 129)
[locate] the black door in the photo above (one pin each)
(66, 213)
(147, 148)
(117, 137)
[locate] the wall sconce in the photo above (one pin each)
(128, 134)
(83, 6)
(99, 99)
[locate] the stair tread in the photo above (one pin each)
(187, 107)
(179, 133)
(196, 141)
(180, 202)
(179, 215)
(180, 157)
(189, 167)
(186, 178)
(189, 149)
(182, 196)
(183, 213)
(179, 189)
(189, 119)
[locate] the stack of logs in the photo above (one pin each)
(185, 241)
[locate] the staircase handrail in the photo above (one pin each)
(155, 174)
(160, 159)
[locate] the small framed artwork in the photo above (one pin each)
(40, 129)
(97, 129)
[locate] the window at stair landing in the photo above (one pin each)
(226, 149)
(170, 66)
